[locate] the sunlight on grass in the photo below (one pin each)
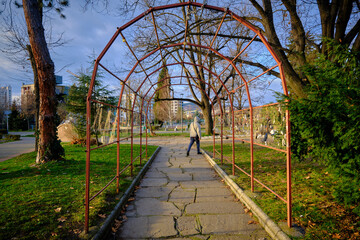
(314, 207)
(47, 201)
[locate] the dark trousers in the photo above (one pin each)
(192, 140)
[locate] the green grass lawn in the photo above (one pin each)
(314, 207)
(47, 201)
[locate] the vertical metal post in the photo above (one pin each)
(87, 180)
(118, 136)
(214, 138)
(132, 143)
(149, 124)
(182, 130)
(140, 114)
(132, 134)
(118, 151)
(233, 137)
(288, 168)
(252, 147)
(221, 134)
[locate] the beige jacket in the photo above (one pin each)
(195, 128)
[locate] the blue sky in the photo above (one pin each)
(86, 32)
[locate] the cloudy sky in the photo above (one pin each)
(86, 33)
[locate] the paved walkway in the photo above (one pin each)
(183, 198)
(13, 149)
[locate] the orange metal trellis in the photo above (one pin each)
(146, 98)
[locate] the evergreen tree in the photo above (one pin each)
(76, 101)
(16, 120)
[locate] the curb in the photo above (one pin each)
(104, 230)
(265, 221)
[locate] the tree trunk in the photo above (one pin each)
(206, 110)
(49, 146)
(37, 97)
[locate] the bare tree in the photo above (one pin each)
(18, 50)
(340, 21)
(49, 146)
(197, 23)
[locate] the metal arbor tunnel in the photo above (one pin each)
(203, 49)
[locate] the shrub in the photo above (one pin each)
(12, 137)
(326, 125)
(82, 142)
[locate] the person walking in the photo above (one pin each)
(195, 135)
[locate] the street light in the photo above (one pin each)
(182, 130)
(7, 113)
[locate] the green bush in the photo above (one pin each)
(12, 137)
(326, 124)
(156, 127)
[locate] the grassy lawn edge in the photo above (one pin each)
(47, 201)
(314, 207)
(106, 225)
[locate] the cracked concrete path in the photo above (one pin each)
(183, 198)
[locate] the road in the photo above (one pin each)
(13, 149)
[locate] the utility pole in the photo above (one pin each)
(182, 130)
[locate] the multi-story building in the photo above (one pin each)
(175, 106)
(27, 91)
(5, 97)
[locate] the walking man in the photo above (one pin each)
(195, 135)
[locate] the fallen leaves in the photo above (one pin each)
(62, 219)
(336, 236)
(102, 215)
(58, 209)
(116, 225)
(251, 222)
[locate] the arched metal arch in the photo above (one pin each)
(152, 96)
(231, 62)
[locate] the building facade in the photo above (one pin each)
(5, 97)
(175, 107)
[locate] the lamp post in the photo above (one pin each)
(7, 113)
(182, 130)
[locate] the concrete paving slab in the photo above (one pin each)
(201, 184)
(205, 176)
(170, 170)
(163, 163)
(154, 192)
(152, 207)
(236, 237)
(214, 208)
(153, 182)
(148, 227)
(214, 195)
(173, 184)
(187, 226)
(227, 224)
(193, 170)
(154, 174)
(179, 177)
(179, 195)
